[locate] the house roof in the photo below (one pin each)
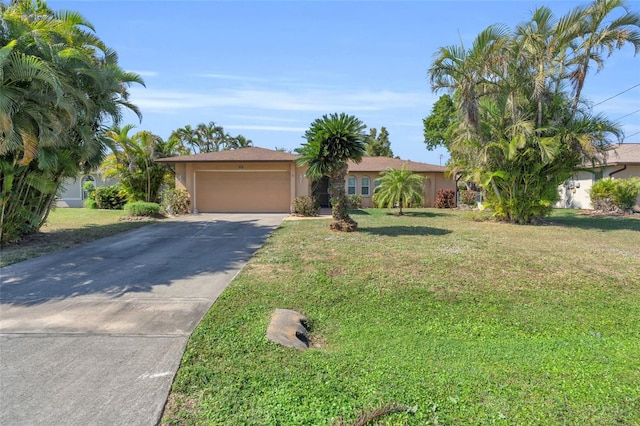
(625, 153)
(242, 154)
(255, 154)
(379, 164)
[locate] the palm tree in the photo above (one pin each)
(135, 164)
(332, 141)
(515, 149)
(598, 36)
(238, 142)
(399, 187)
(59, 84)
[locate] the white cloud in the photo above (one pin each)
(145, 73)
(232, 77)
(267, 128)
(278, 100)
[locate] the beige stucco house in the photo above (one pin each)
(262, 180)
(621, 161)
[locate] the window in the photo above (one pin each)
(351, 185)
(376, 184)
(365, 184)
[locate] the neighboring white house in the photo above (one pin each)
(621, 161)
(71, 193)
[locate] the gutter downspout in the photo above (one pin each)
(618, 171)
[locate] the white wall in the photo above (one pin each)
(70, 192)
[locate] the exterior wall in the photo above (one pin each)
(70, 193)
(574, 194)
(187, 175)
(433, 183)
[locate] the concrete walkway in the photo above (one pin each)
(94, 335)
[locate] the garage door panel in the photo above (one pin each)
(243, 192)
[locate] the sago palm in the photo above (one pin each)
(332, 141)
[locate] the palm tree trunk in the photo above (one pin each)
(338, 196)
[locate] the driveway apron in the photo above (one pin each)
(94, 335)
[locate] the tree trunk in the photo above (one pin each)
(339, 203)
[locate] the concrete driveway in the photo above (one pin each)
(94, 334)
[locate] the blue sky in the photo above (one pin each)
(267, 69)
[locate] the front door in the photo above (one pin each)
(320, 191)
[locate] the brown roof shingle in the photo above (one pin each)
(626, 153)
(242, 154)
(368, 164)
(378, 164)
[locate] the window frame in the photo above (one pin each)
(367, 187)
(349, 186)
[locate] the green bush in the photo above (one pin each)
(142, 208)
(614, 194)
(175, 201)
(625, 193)
(355, 201)
(306, 206)
(445, 199)
(110, 197)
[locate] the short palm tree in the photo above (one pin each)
(399, 187)
(332, 141)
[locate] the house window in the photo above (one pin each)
(365, 184)
(83, 181)
(351, 185)
(376, 184)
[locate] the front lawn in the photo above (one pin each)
(465, 322)
(68, 227)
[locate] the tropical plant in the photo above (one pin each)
(609, 195)
(175, 201)
(332, 141)
(208, 138)
(59, 86)
(133, 161)
(399, 187)
(520, 133)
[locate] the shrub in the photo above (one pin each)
(175, 201)
(355, 201)
(445, 199)
(468, 197)
(110, 197)
(610, 195)
(306, 206)
(142, 208)
(625, 193)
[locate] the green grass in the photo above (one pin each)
(67, 227)
(470, 322)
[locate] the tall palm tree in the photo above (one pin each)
(399, 187)
(59, 85)
(332, 141)
(597, 36)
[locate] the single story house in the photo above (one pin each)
(262, 180)
(621, 161)
(72, 193)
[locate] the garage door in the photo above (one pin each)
(227, 192)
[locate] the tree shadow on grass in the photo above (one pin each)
(420, 213)
(598, 223)
(402, 230)
(159, 255)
